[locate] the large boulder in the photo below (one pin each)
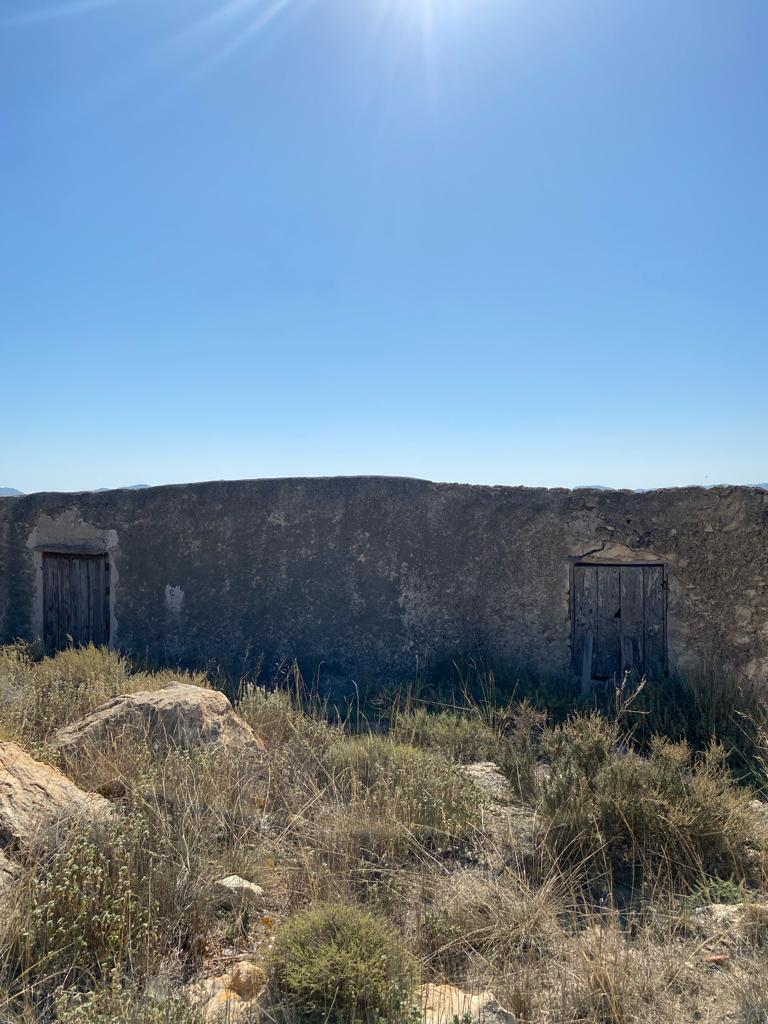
(34, 795)
(178, 715)
(446, 1004)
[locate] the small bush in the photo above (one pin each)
(522, 727)
(661, 814)
(275, 714)
(709, 706)
(336, 964)
(463, 737)
(508, 736)
(492, 922)
(300, 744)
(421, 790)
(98, 899)
(85, 907)
(578, 748)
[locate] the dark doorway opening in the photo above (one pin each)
(75, 600)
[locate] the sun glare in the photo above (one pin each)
(221, 29)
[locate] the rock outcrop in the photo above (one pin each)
(178, 715)
(232, 998)
(446, 1004)
(235, 893)
(33, 795)
(728, 925)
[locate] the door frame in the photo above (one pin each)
(596, 563)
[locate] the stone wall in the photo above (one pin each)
(378, 578)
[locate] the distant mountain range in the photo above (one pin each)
(11, 492)
(644, 490)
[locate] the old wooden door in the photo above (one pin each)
(619, 621)
(75, 600)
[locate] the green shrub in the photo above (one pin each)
(299, 748)
(578, 748)
(419, 789)
(275, 714)
(716, 890)
(463, 737)
(662, 814)
(521, 727)
(507, 735)
(336, 964)
(701, 708)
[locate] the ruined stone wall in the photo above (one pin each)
(376, 578)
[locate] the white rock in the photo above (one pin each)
(232, 998)
(235, 893)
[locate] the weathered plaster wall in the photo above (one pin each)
(374, 576)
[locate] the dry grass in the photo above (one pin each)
(596, 923)
(39, 697)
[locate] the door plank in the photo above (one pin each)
(608, 657)
(585, 618)
(99, 603)
(588, 658)
(631, 622)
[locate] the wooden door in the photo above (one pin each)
(618, 621)
(75, 600)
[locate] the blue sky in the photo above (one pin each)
(502, 241)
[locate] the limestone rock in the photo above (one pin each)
(446, 1004)
(488, 777)
(718, 918)
(232, 998)
(731, 924)
(33, 795)
(235, 893)
(179, 714)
